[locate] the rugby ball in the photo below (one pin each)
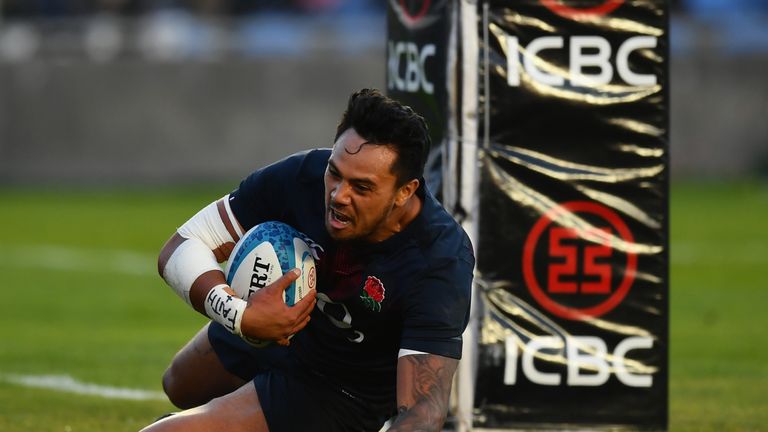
(265, 253)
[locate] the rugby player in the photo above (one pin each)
(379, 339)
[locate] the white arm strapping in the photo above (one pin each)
(190, 259)
(225, 308)
(232, 217)
(204, 232)
(207, 226)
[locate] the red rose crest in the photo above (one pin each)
(373, 293)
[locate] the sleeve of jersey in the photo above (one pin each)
(438, 309)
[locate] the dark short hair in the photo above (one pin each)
(384, 121)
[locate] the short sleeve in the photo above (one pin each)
(437, 309)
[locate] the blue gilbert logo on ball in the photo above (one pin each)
(263, 255)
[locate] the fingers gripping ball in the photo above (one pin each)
(264, 254)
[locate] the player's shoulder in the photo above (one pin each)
(442, 238)
(312, 164)
(276, 190)
(305, 165)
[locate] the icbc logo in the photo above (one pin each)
(578, 60)
(601, 7)
(581, 268)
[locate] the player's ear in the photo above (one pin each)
(406, 191)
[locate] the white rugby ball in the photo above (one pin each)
(265, 253)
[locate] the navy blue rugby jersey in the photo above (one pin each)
(411, 291)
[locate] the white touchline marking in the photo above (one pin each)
(68, 258)
(66, 383)
(746, 253)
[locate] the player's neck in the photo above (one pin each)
(397, 220)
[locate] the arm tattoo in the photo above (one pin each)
(424, 385)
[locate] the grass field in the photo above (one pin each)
(83, 307)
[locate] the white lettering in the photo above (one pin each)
(393, 65)
(580, 60)
(510, 369)
(513, 62)
(595, 351)
(415, 76)
(533, 348)
(622, 373)
(622, 60)
(540, 44)
(584, 53)
(587, 360)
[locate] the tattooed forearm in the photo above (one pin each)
(423, 388)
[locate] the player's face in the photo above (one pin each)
(360, 190)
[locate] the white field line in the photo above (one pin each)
(67, 384)
(123, 261)
(67, 258)
(690, 253)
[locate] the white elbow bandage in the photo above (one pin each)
(208, 230)
(210, 226)
(204, 232)
(191, 259)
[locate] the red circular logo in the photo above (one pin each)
(311, 278)
(579, 250)
(570, 12)
(420, 10)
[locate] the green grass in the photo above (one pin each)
(103, 316)
(94, 322)
(719, 325)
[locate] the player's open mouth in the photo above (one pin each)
(338, 220)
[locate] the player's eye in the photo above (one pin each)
(362, 188)
(333, 173)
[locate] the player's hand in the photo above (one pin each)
(267, 317)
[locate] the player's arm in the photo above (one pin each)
(189, 259)
(189, 263)
(423, 388)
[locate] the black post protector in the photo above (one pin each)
(574, 220)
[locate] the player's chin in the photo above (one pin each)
(339, 234)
